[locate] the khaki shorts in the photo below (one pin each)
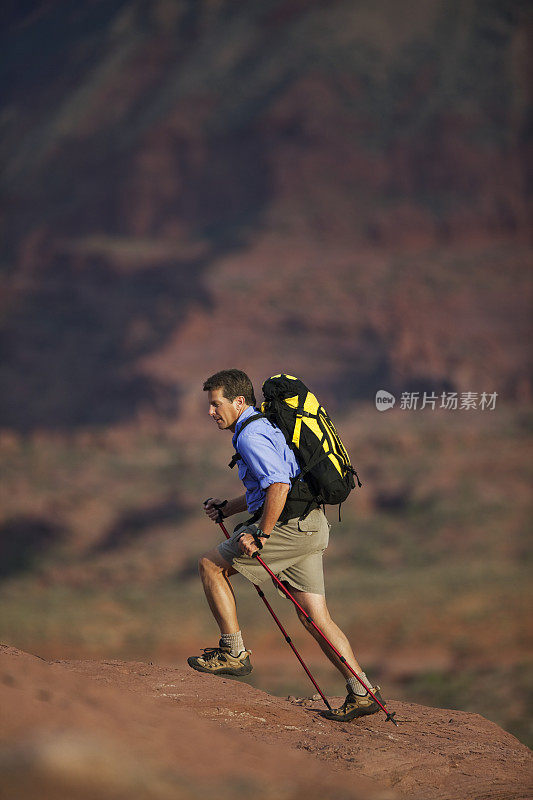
(293, 553)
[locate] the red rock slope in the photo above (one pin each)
(112, 729)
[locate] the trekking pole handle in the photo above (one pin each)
(219, 507)
(258, 543)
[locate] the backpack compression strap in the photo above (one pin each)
(237, 456)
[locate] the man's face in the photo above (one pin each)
(225, 412)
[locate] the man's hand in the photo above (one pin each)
(212, 512)
(247, 544)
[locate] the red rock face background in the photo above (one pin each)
(347, 180)
(336, 190)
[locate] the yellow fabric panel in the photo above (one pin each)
(338, 447)
(311, 404)
(335, 462)
(292, 402)
(313, 425)
(297, 431)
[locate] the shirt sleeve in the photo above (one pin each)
(264, 460)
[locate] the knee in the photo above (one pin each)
(206, 567)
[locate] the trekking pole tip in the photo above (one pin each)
(391, 715)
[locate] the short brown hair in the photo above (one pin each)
(234, 383)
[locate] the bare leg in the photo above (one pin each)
(315, 606)
(215, 573)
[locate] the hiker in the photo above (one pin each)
(292, 548)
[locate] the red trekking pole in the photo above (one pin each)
(315, 626)
(278, 623)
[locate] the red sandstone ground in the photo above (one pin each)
(114, 729)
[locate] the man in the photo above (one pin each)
(292, 548)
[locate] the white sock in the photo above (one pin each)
(234, 641)
(353, 685)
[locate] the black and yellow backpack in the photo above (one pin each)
(327, 476)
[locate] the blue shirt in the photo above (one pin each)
(266, 458)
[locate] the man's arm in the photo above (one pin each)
(232, 507)
(276, 494)
(235, 506)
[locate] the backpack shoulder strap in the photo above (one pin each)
(237, 456)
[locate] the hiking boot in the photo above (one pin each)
(219, 661)
(355, 705)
